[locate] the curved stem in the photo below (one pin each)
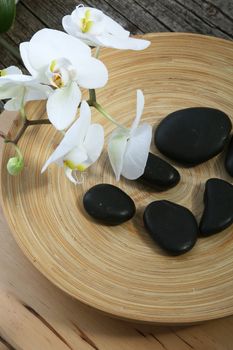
(18, 152)
(22, 107)
(97, 51)
(2, 135)
(92, 95)
(26, 123)
(106, 115)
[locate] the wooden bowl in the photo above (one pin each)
(120, 270)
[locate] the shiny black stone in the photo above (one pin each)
(172, 226)
(218, 211)
(193, 135)
(109, 204)
(229, 158)
(159, 174)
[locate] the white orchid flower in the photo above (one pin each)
(80, 147)
(64, 62)
(97, 29)
(128, 149)
(20, 88)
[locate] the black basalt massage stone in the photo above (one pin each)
(193, 135)
(108, 204)
(173, 227)
(159, 174)
(218, 211)
(229, 158)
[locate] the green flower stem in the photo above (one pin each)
(22, 110)
(18, 152)
(92, 96)
(24, 127)
(106, 115)
(2, 135)
(97, 51)
(10, 48)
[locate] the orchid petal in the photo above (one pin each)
(9, 90)
(76, 156)
(11, 70)
(58, 155)
(116, 150)
(76, 133)
(71, 28)
(14, 104)
(62, 105)
(37, 92)
(128, 43)
(49, 44)
(73, 138)
(115, 28)
(17, 79)
(92, 73)
(94, 142)
(139, 110)
(69, 175)
(136, 153)
(24, 52)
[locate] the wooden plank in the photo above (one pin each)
(132, 10)
(224, 6)
(212, 15)
(62, 8)
(179, 16)
(6, 58)
(26, 24)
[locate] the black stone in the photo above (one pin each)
(172, 226)
(109, 204)
(218, 211)
(229, 158)
(193, 135)
(159, 174)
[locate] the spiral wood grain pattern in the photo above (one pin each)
(119, 270)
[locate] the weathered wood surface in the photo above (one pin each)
(211, 17)
(35, 315)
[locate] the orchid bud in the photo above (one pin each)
(15, 165)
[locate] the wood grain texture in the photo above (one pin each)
(212, 17)
(119, 270)
(75, 324)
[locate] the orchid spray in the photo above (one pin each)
(59, 65)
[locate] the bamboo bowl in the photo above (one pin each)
(119, 270)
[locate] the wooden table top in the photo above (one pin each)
(211, 17)
(36, 315)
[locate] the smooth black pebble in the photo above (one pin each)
(159, 174)
(218, 211)
(229, 158)
(109, 204)
(172, 226)
(193, 135)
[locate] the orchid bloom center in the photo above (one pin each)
(60, 73)
(3, 73)
(75, 159)
(85, 22)
(90, 21)
(73, 166)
